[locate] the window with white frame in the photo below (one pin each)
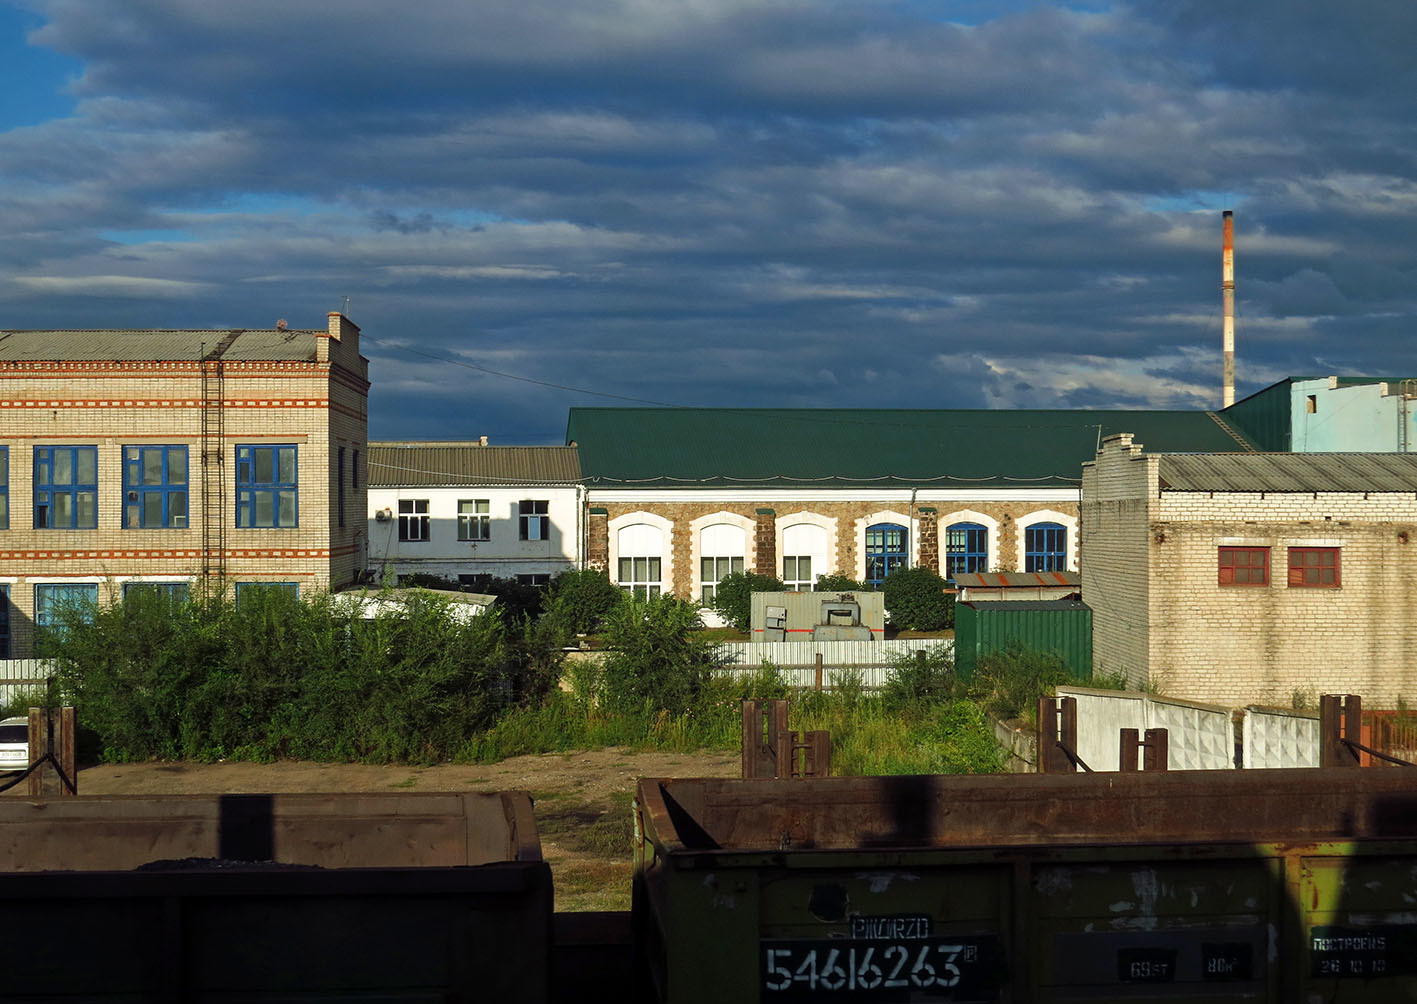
(804, 555)
(722, 548)
(640, 550)
(413, 520)
(532, 521)
(474, 519)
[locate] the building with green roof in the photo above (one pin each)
(680, 497)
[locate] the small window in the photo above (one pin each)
(4, 621)
(966, 548)
(478, 582)
(354, 472)
(4, 490)
(266, 486)
(1313, 567)
(474, 521)
(885, 551)
(1311, 404)
(538, 579)
(1045, 548)
(797, 572)
(65, 487)
(339, 492)
(413, 519)
(54, 603)
(1243, 566)
(531, 519)
(154, 487)
(712, 571)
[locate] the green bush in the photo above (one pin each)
(834, 583)
(280, 676)
(733, 598)
(1009, 681)
(925, 675)
(915, 598)
(656, 659)
(579, 601)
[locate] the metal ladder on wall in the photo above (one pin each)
(213, 507)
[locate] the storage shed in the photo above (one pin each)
(1060, 626)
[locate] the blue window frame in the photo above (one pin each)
(246, 590)
(176, 592)
(52, 600)
(966, 548)
(886, 548)
(4, 622)
(266, 486)
(1045, 548)
(65, 487)
(154, 487)
(4, 489)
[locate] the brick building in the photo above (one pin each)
(678, 498)
(164, 459)
(1250, 578)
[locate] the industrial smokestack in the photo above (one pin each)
(1227, 294)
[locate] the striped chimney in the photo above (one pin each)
(1227, 294)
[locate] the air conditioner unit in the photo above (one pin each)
(383, 515)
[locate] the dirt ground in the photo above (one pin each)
(582, 799)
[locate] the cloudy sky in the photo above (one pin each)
(819, 203)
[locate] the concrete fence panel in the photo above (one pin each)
(1276, 737)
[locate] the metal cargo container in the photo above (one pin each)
(1063, 627)
(815, 616)
(398, 897)
(1274, 886)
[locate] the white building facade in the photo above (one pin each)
(469, 512)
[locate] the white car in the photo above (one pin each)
(14, 744)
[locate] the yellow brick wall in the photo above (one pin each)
(316, 406)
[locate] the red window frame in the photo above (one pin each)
(1243, 566)
(1314, 568)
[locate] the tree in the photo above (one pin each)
(656, 658)
(579, 601)
(734, 596)
(916, 600)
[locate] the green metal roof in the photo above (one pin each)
(699, 447)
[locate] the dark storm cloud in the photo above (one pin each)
(724, 202)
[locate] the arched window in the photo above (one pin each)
(722, 547)
(886, 550)
(966, 548)
(1045, 548)
(804, 555)
(640, 550)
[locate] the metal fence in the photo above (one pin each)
(20, 676)
(866, 661)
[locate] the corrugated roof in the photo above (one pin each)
(164, 345)
(991, 605)
(436, 464)
(1010, 580)
(1290, 472)
(698, 447)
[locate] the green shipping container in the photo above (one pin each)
(1063, 627)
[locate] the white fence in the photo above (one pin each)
(868, 660)
(1273, 737)
(1199, 736)
(19, 676)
